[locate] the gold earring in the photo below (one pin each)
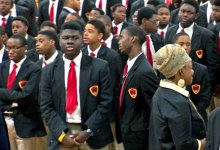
(181, 83)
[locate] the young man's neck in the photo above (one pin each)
(49, 54)
(117, 22)
(94, 46)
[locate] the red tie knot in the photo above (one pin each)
(72, 64)
(92, 54)
(15, 66)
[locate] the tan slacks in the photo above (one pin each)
(18, 143)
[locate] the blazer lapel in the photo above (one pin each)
(131, 72)
(85, 72)
(5, 73)
(102, 52)
(58, 82)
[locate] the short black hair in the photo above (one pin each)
(21, 38)
(98, 25)
(50, 34)
(162, 6)
(155, 3)
(74, 14)
(145, 12)
(176, 36)
(2, 31)
(80, 22)
(114, 7)
(49, 24)
(22, 19)
(72, 26)
(138, 32)
(101, 12)
(191, 2)
(216, 3)
(107, 19)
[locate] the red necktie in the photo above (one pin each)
(45, 64)
(104, 43)
(168, 2)
(126, 3)
(3, 22)
(100, 4)
(182, 30)
(92, 54)
(115, 30)
(162, 35)
(71, 102)
(122, 89)
(148, 51)
(218, 46)
(11, 77)
(52, 13)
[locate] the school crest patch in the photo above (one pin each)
(94, 90)
(196, 88)
(132, 92)
(22, 83)
(199, 53)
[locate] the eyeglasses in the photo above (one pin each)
(14, 49)
(155, 21)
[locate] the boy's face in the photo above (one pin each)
(163, 15)
(91, 35)
(120, 14)
(185, 42)
(216, 13)
(151, 25)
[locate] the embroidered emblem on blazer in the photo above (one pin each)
(22, 83)
(196, 88)
(94, 90)
(132, 92)
(199, 53)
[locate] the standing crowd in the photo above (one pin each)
(109, 74)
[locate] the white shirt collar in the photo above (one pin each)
(188, 30)
(168, 84)
(51, 59)
(77, 59)
(109, 39)
(18, 64)
(70, 9)
(13, 11)
(131, 62)
(95, 51)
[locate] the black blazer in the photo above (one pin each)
(172, 113)
(22, 11)
(26, 115)
(43, 11)
(203, 49)
(4, 141)
(8, 28)
(32, 55)
(200, 89)
(115, 66)
(87, 6)
(135, 112)
(95, 110)
(31, 41)
(5, 55)
(213, 136)
(136, 5)
(201, 18)
(157, 41)
(115, 47)
(64, 12)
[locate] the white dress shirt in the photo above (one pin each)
(75, 117)
(188, 30)
(95, 51)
